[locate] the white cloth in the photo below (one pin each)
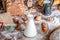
(56, 12)
(56, 19)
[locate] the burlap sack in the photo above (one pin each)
(15, 7)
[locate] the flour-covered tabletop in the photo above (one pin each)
(17, 34)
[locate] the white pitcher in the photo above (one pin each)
(30, 30)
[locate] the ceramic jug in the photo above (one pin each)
(47, 9)
(30, 30)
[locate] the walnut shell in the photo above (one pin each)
(49, 19)
(38, 18)
(43, 25)
(26, 21)
(44, 29)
